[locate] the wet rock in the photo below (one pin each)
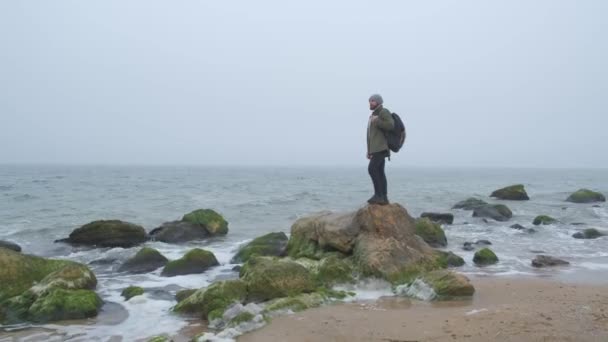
(451, 259)
(195, 261)
(10, 245)
(131, 292)
(590, 233)
(547, 261)
(269, 278)
(448, 284)
(178, 232)
(468, 246)
(213, 222)
(213, 300)
(183, 294)
(431, 232)
(42, 290)
(513, 192)
(485, 256)
(272, 244)
(107, 233)
(544, 220)
(469, 204)
(439, 218)
(586, 196)
(498, 212)
(334, 270)
(483, 242)
(517, 226)
(146, 260)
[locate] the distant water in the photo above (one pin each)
(40, 204)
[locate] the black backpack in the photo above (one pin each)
(396, 137)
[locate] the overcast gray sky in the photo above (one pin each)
(478, 83)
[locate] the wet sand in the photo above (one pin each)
(502, 309)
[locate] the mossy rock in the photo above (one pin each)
(296, 303)
(241, 318)
(195, 261)
(55, 305)
(498, 212)
(19, 272)
(10, 245)
(213, 222)
(450, 259)
(334, 270)
(447, 284)
(303, 247)
(108, 233)
(272, 244)
(159, 339)
(131, 292)
(431, 232)
(146, 260)
(214, 299)
(413, 271)
(543, 219)
(590, 233)
(586, 196)
(70, 277)
(183, 294)
(269, 278)
(513, 192)
(485, 256)
(469, 204)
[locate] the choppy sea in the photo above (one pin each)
(39, 204)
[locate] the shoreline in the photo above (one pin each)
(502, 309)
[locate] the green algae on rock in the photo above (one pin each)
(272, 244)
(586, 196)
(213, 222)
(131, 292)
(513, 192)
(195, 261)
(543, 219)
(431, 232)
(146, 260)
(485, 256)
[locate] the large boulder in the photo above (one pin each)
(544, 220)
(382, 241)
(107, 233)
(334, 270)
(314, 235)
(41, 290)
(440, 218)
(469, 204)
(586, 196)
(590, 233)
(10, 245)
(498, 212)
(213, 222)
(272, 244)
(547, 261)
(269, 278)
(213, 300)
(195, 261)
(431, 232)
(146, 260)
(513, 192)
(178, 231)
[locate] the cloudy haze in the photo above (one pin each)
(478, 83)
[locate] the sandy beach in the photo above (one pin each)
(502, 309)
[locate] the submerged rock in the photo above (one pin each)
(544, 220)
(146, 260)
(269, 278)
(517, 226)
(469, 204)
(195, 261)
(272, 244)
(131, 292)
(431, 233)
(590, 233)
(513, 192)
(10, 245)
(439, 218)
(586, 196)
(485, 256)
(546, 261)
(42, 290)
(107, 233)
(498, 212)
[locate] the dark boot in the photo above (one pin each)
(385, 199)
(382, 200)
(374, 199)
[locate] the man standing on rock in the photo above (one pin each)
(377, 147)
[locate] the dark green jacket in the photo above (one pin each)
(376, 141)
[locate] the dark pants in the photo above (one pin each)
(376, 171)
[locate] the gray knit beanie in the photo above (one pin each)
(376, 98)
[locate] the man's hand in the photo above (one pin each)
(369, 156)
